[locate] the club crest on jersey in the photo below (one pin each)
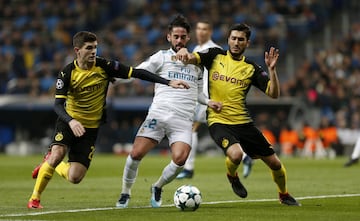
(59, 84)
(173, 58)
(59, 136)
(96, 75)
(225, 143)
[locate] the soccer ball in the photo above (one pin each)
(187, 198)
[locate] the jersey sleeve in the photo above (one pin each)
(114, 69)
(206, 57)
(153, 63)
(63, 81)
(260, 78)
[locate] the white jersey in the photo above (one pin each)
(199, 48)
(181, 102)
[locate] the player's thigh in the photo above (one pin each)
(63, 138)
(179, 130)
(223, 136)
(83, 149)
(253, 142)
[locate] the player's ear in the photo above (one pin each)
(76, 49)
(168, 37)
(248, 43)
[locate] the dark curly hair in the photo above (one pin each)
(179, 21)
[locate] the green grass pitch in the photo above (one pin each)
(326, 189)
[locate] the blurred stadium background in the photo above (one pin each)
(319, 67)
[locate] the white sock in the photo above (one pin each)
(244, 156)
(169, 174)
(190, 162)
(356, 152)
(129, 175)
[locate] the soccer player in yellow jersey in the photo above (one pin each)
(81, 89)
(231, 75)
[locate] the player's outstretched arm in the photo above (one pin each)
(271, 58)
(148, 76)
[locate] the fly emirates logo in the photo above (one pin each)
(184, 74)
(232, 80)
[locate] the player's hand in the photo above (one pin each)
(215, 105)
(271, 57)
(183, 55)
(179, 84)
(77, 128)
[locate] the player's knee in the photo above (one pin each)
(235, 155)
(235, 158)
(75, 179)
(180, 161)
(137, 155)
(275, 165)
(180, 158)
(272, 161)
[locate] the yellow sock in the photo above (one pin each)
(279, 177)
(45, 174)
(63, 169)
(231, 167)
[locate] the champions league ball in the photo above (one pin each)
(187, 198)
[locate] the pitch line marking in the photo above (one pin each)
(171, 205)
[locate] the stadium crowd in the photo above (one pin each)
(35, 36)
(35, 43)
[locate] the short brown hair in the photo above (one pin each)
(81, 37)
(206, 21)
(241, 27)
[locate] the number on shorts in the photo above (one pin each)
(91, 154)
(151, 124)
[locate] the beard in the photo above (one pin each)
(237, 55)
(177, 47)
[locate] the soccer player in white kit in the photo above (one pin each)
(203, 37)
(355, 155)
(171, 114)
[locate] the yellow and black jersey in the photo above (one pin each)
(85, 90)
(229, 82)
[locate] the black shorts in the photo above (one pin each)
(248, 136)
(81, 149)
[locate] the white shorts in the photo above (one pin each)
(200, 113)
(158, 125)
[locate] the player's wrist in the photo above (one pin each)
(207, 101)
